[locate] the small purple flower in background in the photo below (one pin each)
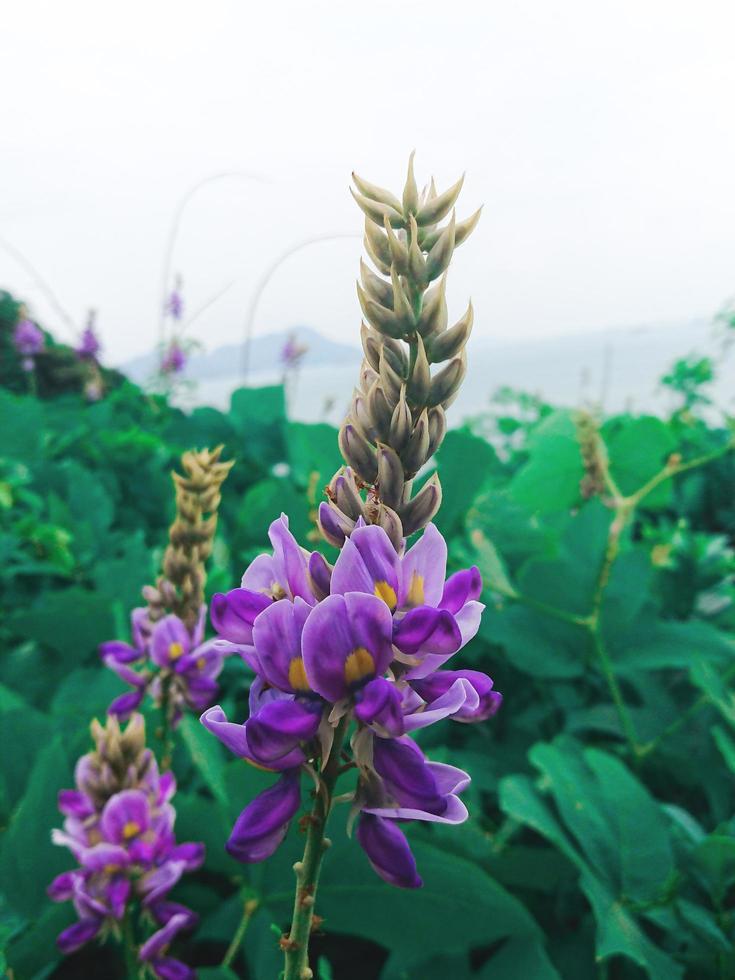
(89, 345)
(364, 640)
(174, 305)
(168, 662)
(174, 359)
(120, 830)
(28, 340)
(292, 352)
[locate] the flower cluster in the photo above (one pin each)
(364, 640)
(29, 341)
(168, 661)
(174, 359)
(119, 825)
(89, 345)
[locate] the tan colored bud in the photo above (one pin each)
(379, 410)
(378, 212)
(418, 512)
(410, 190)
(401, 305)
(360, 414)
(434, 316)
(376, 288)
(441, 254)
(439, 207)
(370, 346)
(445, 384)
(389, 520)
(445, 345)
(358, 453)
(396, 353)
(461, 233)
(416, 260)
(437, 429)
(383, 320)
(401, 423)
(390, 476)
(334, 525)
(420, 380)
(376, 246)
(398, 250)
(390, 381)
(416, 451)
(375, 193)
(346, 495)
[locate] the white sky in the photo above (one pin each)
(599, 135)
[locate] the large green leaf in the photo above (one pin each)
(73, 622)
(550, 479)
(638, 449)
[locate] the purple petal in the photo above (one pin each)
(459, 696)
(406, 775)
(388, 851)
(141, 627)
(320, 574)
(289, 561)
(206, 660)
(277, 638)
(158, 883)
(449, 779)
(334, 526)
(368, 563)
(279, 727)
(61, 888)
(427, 630)
(160, 940)
(125, 704)
(485, 703)
(72, 803)
(263, 823)
(170, 640)
(454, 813)
(422, 570)
(119, 652)
(126, 815)
(234, 737)
(346, 642)
(78, 935)
(234, 613)
(106, 857)
(192, 854)
(468, 620)
(380, 702)
(260, 576)
(164, 911)
(461, 588)
(167, 968)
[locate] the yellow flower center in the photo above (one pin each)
(175, 650)
(201, 662)
(416, 590)
(111, 869)
(359, 665)
(297, 675)
(387, 593)
(130, 829)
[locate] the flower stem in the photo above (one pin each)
(132, 964)
(296, 944)
(249, 909)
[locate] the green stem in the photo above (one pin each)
(249, 910)
(626, 722)
(132, 963)
(296, 945)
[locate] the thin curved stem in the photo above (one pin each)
(40, 282)
(249, 909)
(296, 944)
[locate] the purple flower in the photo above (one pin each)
(153, 950)
(124, 843)
(362, 640)
(29, 341)
(89, 346)
(179, 658)
(174, 360)
(174, 306)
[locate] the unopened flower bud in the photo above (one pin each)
(419, 511)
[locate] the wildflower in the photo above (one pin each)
(29, 342)
(89, 346)
(119, 827)
(364, 640)
(174, 360)
(174, 306)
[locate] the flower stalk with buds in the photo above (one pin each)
(414, 363)
(349, 659)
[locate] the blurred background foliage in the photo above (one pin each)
(601, 841)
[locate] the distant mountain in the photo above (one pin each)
(265, 351)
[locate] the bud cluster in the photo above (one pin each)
(180, 590)
(594, 456)
(120, 759)
(397, 417)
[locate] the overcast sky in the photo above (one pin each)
(599, 136)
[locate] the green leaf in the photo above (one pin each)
(28, 859)
(71, 621)
(258, 416)
(207, 756)
(464, 462)
(519, 958)
(313, 454)
(550, 480)
(638, 449)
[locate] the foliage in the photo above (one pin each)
(602, 834)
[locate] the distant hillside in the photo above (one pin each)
(225, 362)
